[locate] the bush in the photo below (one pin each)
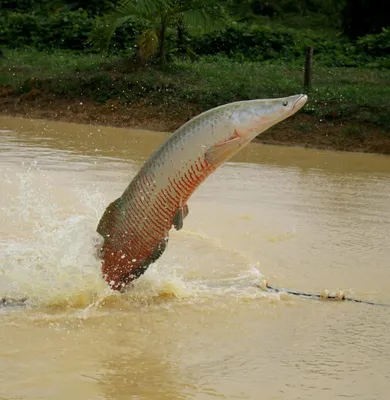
(260, 43)
(257, 42)
(376, 45)
(63, 30)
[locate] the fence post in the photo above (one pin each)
(308, 65)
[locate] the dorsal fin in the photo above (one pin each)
(110, 218)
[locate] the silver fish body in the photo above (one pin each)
(135, 227)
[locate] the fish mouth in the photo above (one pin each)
(299, 102)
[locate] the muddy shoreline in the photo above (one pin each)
(300, 130)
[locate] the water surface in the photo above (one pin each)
(195, 326)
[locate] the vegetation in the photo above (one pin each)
(339, 93)
(202, 52)
(252, 30)
(156, 17)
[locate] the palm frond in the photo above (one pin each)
(202, 20)
(147, 43)
(105, 27)
(144, 8)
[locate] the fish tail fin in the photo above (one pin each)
(119, 270)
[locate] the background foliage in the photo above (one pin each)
(343, 32)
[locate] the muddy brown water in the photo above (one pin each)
(195, 326)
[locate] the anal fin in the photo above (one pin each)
(158, 251)
(154, 256)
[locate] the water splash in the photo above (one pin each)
(48, 253)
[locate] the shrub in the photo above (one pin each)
(70, 30)
(63, 29)
(376, 45)
(259, 43)
(254, 43)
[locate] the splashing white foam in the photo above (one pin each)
(48, 255)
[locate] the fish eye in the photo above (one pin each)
(285, 103)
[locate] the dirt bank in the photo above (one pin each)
(300, 130)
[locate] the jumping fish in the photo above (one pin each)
(135, 227)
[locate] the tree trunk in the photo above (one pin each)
(139, 60)
(181, 38)
(162, 52)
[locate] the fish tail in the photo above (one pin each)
(116, 268)
(119, 270)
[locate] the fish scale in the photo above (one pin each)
(135, 227)
(150, 209)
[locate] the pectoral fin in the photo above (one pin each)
(221, 152)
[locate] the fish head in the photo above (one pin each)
(255, 116)
(239, 123)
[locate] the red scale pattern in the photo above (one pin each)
(147, 223)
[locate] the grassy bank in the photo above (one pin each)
(347, 110)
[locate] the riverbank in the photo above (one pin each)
(300, 130)
(347, 108)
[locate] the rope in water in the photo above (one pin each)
(326, 295)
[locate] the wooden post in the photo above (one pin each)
(308, 65)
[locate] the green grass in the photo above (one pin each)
(26, 64)
(358, 95)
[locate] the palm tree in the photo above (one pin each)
(157, 16)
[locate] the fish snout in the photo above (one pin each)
(299, 102)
